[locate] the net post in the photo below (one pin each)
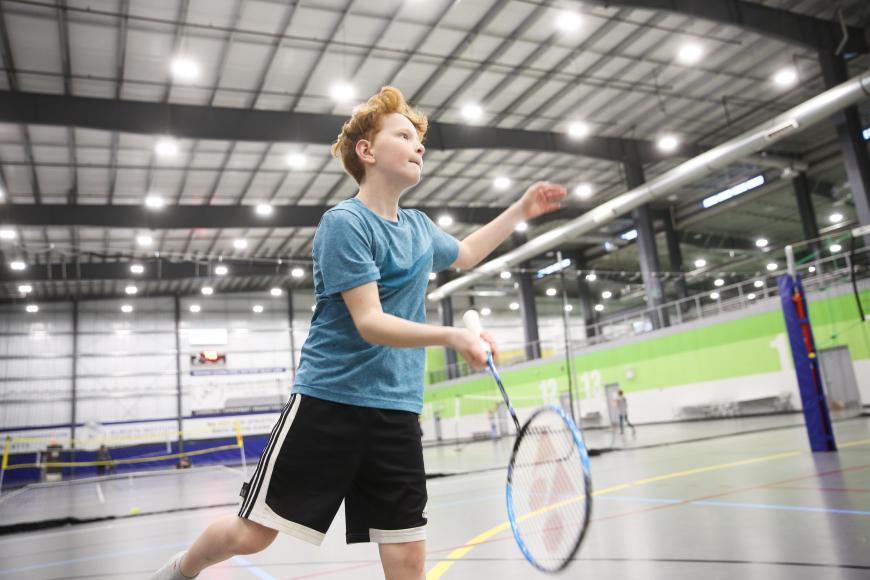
(241, 443)
(4, 463)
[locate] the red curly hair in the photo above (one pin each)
(365, 122)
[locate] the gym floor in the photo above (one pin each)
(755, 504)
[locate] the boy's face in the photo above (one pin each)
(398, 151)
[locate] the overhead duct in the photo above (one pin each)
(784, 125)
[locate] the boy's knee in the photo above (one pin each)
(251, 538)
(410, 558)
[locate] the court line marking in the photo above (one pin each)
(439, 569)
(734, 504)
(249, 566)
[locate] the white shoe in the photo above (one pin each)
(171, 570)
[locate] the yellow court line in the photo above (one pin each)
(442, 567)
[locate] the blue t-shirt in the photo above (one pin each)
(354, 246)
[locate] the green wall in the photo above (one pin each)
(735, 348)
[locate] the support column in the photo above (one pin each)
(646, 242)
(675, 257)
(529, 311)
(528, 306)
(852, 145)
(445, 312)
(587, 308)
(807, 212)
(178, 373)
(74, 398)
(292, 337)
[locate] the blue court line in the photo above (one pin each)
(252, 569)
(728, 504)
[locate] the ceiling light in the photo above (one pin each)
(718, 282)
(772, 266)
(137, 268)
(276, 291)
(751, 296)
(297, 272)
(700, 263)
(7, 234)
(184, 69)
(811, 269)
(153, 201)
(607, 294)
(195, 308)
(342, 92)
(221, 270)
(166, 147)
(591, 277)
(505, 275)
(25, 289)
(32, 308)
(485, 311)
(568, 308)
(207, 290)
(514, 306)
(568, 21)
(17, 265)
(551, 292)
(264, 209)
(432, 275)
(690, 53)
(126, 308)
(734, 191)
(714, 296)
(834, 218)
(472, 112)
(522, 226)
(599, 308)
(144, 240)
(761, 242)
(258, 308)
(668, 143)
(758, 283)
(445, 221)
(296, 160)
(501, 182)
(785, 77)
(629, 235)
(130, 290)
(583, 191)
(578, 130)
(835, 248)
(240, 244)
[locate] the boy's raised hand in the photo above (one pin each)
(542, 197)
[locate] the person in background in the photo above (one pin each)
(622, 408)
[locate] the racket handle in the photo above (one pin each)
(471, 318)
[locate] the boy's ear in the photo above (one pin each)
(364, 151)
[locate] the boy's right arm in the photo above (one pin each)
(378, 327)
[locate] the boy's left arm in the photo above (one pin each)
(542, 197)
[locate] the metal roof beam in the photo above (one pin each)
(210, 216)
(229, 124)
(799, 29)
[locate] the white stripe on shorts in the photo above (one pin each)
(397, 536)
(257, 510)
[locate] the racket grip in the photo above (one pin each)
(471, 318)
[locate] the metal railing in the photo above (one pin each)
(816, 275)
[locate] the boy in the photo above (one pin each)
(350, 430)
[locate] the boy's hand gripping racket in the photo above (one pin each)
(549, 486)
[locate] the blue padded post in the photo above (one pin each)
(806, 364)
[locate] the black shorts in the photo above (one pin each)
(321, 453)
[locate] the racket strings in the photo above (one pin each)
(549, 489)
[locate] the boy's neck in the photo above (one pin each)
(380, 198)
